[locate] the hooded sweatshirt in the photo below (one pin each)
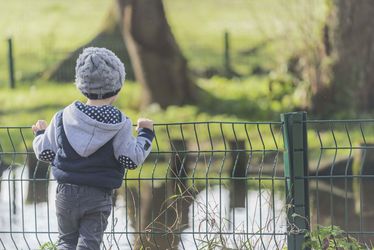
(86, 150)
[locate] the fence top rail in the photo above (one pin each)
(220, 122)
(233, 122)
(341, 121)
(15, 127)
(183, 123)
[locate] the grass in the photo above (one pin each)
(271, 29)
(234, 100)
(45, 31)
(263, 33)
(49, 246)
(227, 100)
(40, 101)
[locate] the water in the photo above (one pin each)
(344, 202)
(236, 221)
(215, 215)
(186, 218)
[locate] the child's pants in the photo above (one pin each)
(82, 215)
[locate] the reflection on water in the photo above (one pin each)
(228, 226)
(209, 220)
(173, 215)
(344, 202)
(189, 218)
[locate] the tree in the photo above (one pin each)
(349, 41)
(156, 58)
(109, 37)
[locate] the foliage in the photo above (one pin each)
(48, 246)
(330, 238)
(260, 98)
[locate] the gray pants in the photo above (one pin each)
(82, 215)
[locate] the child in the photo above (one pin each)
(89, 145)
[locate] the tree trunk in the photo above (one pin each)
(164, 208)
(353, 73)
(109, 37)
(158, 63)
(39, 180)
(352, 84)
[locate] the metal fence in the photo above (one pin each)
(211, 185)
(341, 175)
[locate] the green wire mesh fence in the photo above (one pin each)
(341, 176)
(205, 185)
(208, 185)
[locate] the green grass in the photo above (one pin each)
(26, 104)
(277, 28)
(45, 31)
(49, 246)
(234, 100)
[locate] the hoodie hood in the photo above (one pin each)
(85, 134)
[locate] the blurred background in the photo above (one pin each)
(196, 60)
(225, 68)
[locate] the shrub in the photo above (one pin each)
(331, 237)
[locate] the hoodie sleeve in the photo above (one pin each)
(44, 144)
(132, 151)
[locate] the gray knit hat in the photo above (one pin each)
(99, 73)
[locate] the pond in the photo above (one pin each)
(172, 214)
(213, 215)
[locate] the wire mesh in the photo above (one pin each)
(341, 175)
(205, 185)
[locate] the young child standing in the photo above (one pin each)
(89, 146)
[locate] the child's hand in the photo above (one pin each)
(144, 123)
(39, 125)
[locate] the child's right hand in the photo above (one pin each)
(144, 123)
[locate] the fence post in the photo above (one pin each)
(295, 169)
(238, 185)
(227, 61)
(12, 81)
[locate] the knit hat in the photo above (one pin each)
(99, 73)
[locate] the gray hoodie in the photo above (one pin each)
(87, 135)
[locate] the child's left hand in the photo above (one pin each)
(144, 123)
(39, 125)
